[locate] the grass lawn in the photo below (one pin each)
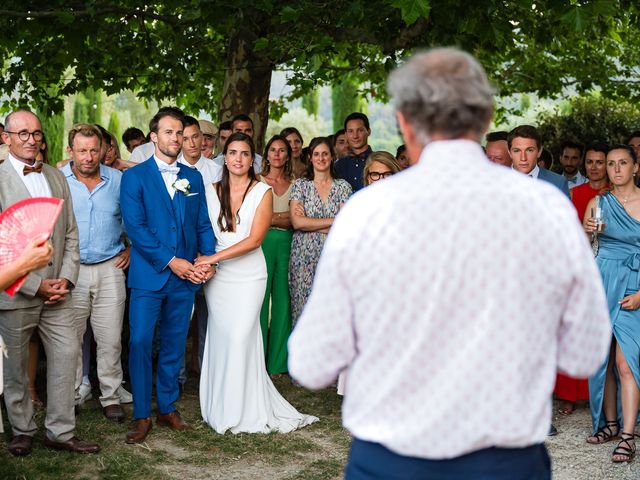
(318, 451)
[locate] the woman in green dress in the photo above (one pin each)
(276, 321)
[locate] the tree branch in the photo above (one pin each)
(172, 20)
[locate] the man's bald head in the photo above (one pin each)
(17, 125)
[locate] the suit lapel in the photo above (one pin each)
(158, 182)
(181, 196)
(13, 188)
(54, 185)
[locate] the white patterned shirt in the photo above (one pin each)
(453, 291)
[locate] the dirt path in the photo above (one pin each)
(573, 458)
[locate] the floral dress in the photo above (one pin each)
(306, 247)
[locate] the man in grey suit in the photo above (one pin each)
(43, 302)
(525, 148)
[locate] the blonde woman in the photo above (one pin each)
(379, 165)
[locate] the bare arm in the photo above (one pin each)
(300, 221)
(36, 255)
(259, 229)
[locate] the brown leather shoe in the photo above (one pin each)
(21, 445)
(113, 412)
(172, 420)
(139, 430)
(74, 444)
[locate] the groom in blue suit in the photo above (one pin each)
(166, 218)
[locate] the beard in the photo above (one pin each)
(169, 151)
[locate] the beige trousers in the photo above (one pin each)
(100, 296)
(55, 326)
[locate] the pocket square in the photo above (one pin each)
(192, 194)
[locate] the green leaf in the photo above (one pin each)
(411, 10)
(289, 14)
(261, 44)
(576, 17)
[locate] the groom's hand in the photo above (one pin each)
(206, 272)
(182, 268)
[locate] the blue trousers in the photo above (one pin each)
(171, 308)
(372, 461)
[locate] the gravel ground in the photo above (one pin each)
(574, 459)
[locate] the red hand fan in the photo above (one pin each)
(21, 223)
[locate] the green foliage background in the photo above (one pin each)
(587, 119)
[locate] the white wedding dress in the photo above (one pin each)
(236, 392)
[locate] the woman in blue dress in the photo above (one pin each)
(614, 388)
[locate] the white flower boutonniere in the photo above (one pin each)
(182, 185)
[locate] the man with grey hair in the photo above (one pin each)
(478, 321)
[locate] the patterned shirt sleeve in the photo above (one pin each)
(297, 193)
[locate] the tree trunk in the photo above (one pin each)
(246, 85)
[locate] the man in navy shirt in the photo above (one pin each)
(351, 167)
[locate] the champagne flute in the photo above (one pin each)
(598, 215)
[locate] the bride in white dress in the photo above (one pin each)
(236, 392)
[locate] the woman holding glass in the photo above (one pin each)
(276, 246)
(315, 201)
(568, 389)
(618, 259)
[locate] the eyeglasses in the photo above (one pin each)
(375, 176)
(25, 134)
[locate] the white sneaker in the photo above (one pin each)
(83, 394)
(125, 396)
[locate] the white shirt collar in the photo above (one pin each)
(199, 165)
(161, 162)
(19, 165)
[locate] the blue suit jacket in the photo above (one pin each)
(151, 224)
(555, 179)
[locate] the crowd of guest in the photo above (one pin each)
(308, 183)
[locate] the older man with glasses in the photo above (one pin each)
(43, 302)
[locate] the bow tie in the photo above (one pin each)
(164, 168)
(37, 167)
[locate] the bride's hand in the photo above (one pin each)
(204, 260)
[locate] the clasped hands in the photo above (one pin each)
(197, 272)
(53, 290)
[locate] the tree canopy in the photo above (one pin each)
(218, 56)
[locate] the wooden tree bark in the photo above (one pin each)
(246, 85)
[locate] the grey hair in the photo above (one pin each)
(444, 91)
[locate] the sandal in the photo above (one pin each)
(625, 448)
(566, 407)
(605, 434)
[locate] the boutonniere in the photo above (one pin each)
(182, 185)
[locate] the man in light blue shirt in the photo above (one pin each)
(100, 292)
